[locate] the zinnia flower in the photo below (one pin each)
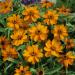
(19, 37)
(31, 14)
(3, 42)
(46, 4)
(41, 71)
(22, 71)
(14, 21)
(53, 48)
(33, 54)
(60, 32)
(9, 53)
(5, 6)
(38, 32)
(63, 10)
(50, 17)
(69, 43)
(67, 59)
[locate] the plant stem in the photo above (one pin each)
(66, 71)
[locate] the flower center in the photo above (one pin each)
(53, 48)
(40, 73)
(50, 17)
(3, 43)
(14, 22)
(68, 43)
(59, 32)
(64, 10)
(9, 55)
(19, 37)
(31, 13)
(33, 54)
(6, 6)
(22, 72)
(38, 32)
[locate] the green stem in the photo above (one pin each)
(66, 71)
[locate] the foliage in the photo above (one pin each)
(37, 39)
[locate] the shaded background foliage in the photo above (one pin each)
(68, 3)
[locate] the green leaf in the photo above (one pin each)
(8, 32)
(0, 73)
(22, 47)
(2, 29)
(71, 73)
(1, 62)
(33, 70)
(5, 70)
(31, 42)
(53, 71)
(21, 59)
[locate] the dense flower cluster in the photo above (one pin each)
(35, 35)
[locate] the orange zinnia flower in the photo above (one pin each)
(63, 10)
(38, 32)
(41, 71)
(9, 53)
(53, 48)
(33, 54)
(60, 32)
(31, 14)
(69, 43)
(23, 71)
(5, 6)
(50, 17)
(67, 59)
(3, 42)
(46, 4)
(19, 37)
(14, 21)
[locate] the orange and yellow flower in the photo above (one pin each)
(63, 10)
(40, 71)
(3, 42)
(5, 6)
(60, 32)
(22, 71)
(46, 4)
(9, 53)
(50, 17)
(31, 14)
(19, 37)
(69, 43)
(38, 32)
(67, 59)
(53, 48)
(33, 54)
(14, 21)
